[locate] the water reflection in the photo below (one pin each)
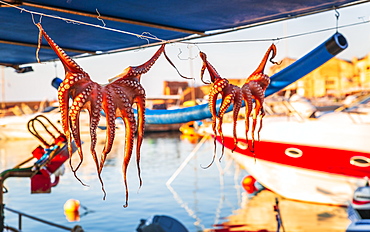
(257, 214)
(199, 198)
(209, 193)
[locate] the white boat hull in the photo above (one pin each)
(313, 161)
(15, 127)
(300, 184)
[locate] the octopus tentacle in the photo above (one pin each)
(140, 132)
(261, 67)
(63, 99)
(230, 94)
(64, 92)
(69, 64)
(259, 97)
(130, 125)
(109, 108)
(139, 98)
(238, 99)
(211, 70)
(212, 107)
(204, 66)
(74, 115)
(258, 83)
(137, 71)
(216, 89)
(227, 99)
(144, 68)
(94, 108)
(219, 84)
(173, 65)
(247, 96)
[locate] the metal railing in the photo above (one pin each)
(20, 215)
(50, 152)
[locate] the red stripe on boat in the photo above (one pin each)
(323, 159)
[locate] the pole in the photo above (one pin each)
(1, 215)
(2, 87)
(186, 161)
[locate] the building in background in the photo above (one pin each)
(336, 78)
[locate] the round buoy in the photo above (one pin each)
(72, 205)
(71, 208)
(248, 184)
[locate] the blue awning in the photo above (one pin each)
(79, 27)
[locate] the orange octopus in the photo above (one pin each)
(256, 85)
(254, 88)
(230, 94)
(115, 99)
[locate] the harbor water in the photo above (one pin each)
(200, 198)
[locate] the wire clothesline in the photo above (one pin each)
(148, 36)
(80, 22)
(283, 37)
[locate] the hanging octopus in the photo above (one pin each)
(254, 88)
(230, 94)
(115, 99)
(256, 85)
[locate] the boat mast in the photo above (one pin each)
(2, 88)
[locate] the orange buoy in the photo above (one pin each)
(71, 208)
(72, 205)
(248, 184)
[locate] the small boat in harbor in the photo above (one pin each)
(320, 160)
(161, 223)
(359, 210)
(15, 127)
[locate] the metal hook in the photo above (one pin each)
(337, 14)
(195, 45)
(33, 19)
(99, 17)
(55, 69)
(189, 46)
(276, 41)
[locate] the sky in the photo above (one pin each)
(231, 60)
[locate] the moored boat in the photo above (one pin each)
(320, 160)
(359, 210)
(15, 127)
